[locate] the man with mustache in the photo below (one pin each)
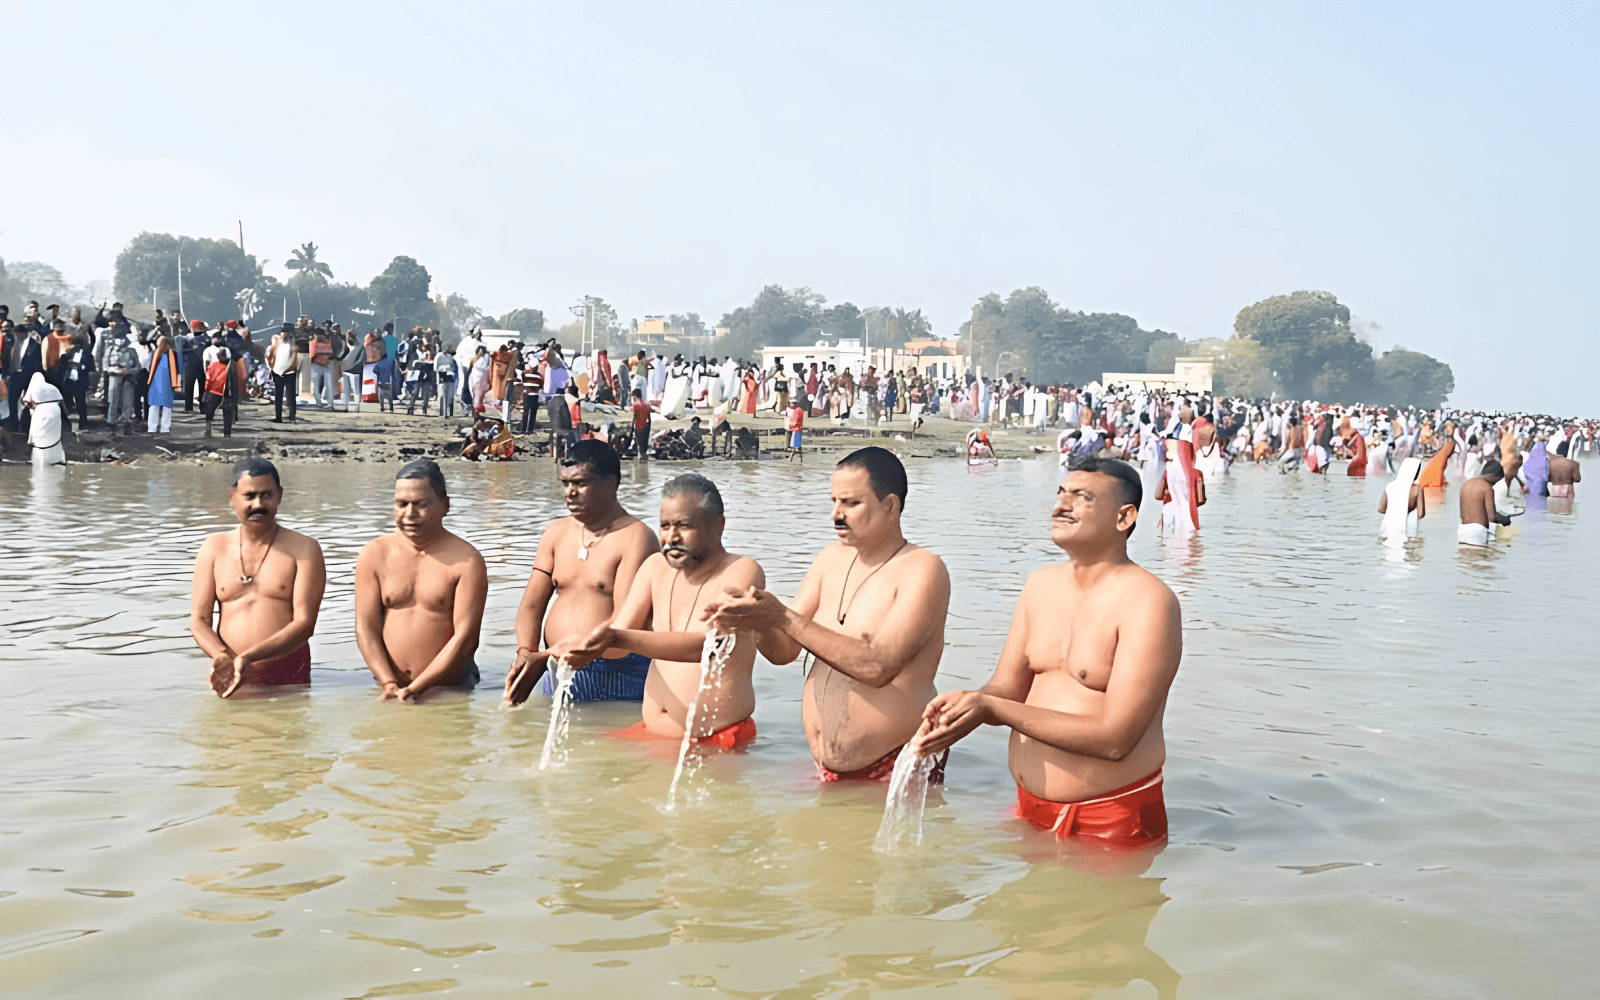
(661, 618)
(265, 582)
(871, 610)
(420, 592)
(1083, 679)
(587, 562)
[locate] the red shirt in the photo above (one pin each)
(641, 415)
(216, 378)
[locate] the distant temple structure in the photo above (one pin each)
(1188, 375)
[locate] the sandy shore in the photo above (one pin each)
(373, 436)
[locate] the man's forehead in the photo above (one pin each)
(255, 484)
(851, 479)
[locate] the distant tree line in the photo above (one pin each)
(222, 281)
(1297, 346)
(781, 317)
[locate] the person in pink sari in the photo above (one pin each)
(1182, 491)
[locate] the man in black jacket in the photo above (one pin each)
(21, 356)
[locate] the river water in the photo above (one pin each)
(1381, 782)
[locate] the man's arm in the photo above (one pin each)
(527, 666)
(369, 621)
(685, 646)
(952, 715)
(310, 580)
(203, 604)
(754, 609)
(1149, 646)
(1493, 512)
(472, 589)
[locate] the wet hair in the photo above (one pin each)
(702, 489)
(885, 472)
(1492, 469)
(427, 470)
(600, 457)
(255, 467)
(1130, 489)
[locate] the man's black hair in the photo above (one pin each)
(427, 470)
(701, 488)
(885, 472)
(600, 457)
(1130, 489)
(254, 466)
(1492, 469)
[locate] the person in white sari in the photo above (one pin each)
(44, 433)
(1402, 504)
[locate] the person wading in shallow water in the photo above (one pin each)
(420, 592)
(1082, 681)
(587, 563)
(267, 581)
(661, 617)
(872, 610)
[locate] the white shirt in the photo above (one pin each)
(282, 357)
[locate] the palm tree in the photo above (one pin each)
(305, 261)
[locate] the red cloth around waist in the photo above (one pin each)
(882, 769)
(728, 737)
(1134, 815)
(292, 668)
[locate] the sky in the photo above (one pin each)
(1432, 166)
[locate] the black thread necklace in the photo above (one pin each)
(673, 586)
(250, 577)
(844, 609)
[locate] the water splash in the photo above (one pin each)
(902, 809)
(555, 738)
(714, 653)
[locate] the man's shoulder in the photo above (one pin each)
(218, 540)
(302, 543)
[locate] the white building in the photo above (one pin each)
(1188, 375)
(848, 355)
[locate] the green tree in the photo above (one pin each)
(1308, 343)
(214, 272)
(457, 316)
(306, 263)
(528, 322)
(1163, 353)
(1411, 378)
(778, 317)
(400, 295)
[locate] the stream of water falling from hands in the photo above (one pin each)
(903, 806)
(714, 653)
(555, 738)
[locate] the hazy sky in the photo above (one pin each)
(1434, 167)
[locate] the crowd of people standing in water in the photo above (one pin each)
(1181, 442)
(1081, 682)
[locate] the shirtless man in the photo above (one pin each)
(1083, 679)
(1294, 446)
(872, 610)
(267, 581)
(661, 618)
(419, 593)
(587, 562)
(1478, 507)
(1564, 474)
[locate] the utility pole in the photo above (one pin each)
(241, 236)
(181, 309)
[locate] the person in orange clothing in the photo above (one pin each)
(661, 618)
(1433, 472)
(1083, 679)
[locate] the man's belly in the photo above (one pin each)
(575, 611)
(246, 621)
(1052, 773)
(670, 690)
(850, 725)
(413, 637)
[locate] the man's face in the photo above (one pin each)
(587, 493)
(689, 532)
(418, 511)
(255, 499)
(1089, 509)
(859, 517)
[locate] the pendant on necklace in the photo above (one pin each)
(583, 552)
(245, 579)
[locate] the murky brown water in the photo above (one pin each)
(1382, 778)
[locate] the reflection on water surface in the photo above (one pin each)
(1380, 779)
